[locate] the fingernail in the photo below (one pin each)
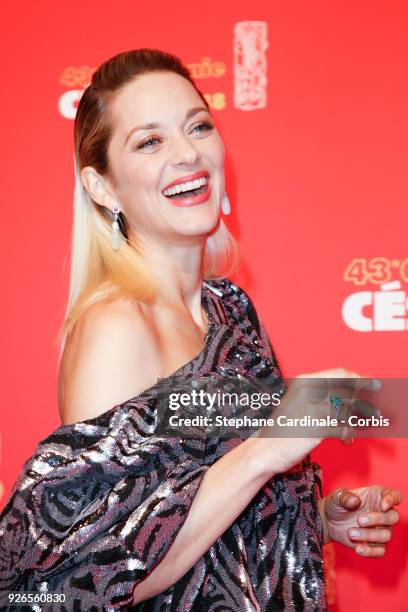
(354, 533)
(376, 384)
(359, 550)
(363, 520)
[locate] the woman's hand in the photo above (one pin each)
(362, 518)
(307, 395)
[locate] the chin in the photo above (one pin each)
(199, 227)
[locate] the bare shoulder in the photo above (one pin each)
(111, 356)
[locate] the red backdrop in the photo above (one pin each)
(315, 127)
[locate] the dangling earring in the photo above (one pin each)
(225, 204)
(115, 236)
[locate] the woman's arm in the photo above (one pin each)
(111, 356)
(108, 365)
(226, 489)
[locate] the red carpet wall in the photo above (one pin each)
(311, 100)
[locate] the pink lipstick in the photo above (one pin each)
(195, 195)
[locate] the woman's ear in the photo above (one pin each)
(97, 187)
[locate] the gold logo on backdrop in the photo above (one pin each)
(77, 78)
(383, 307)
(206, 69)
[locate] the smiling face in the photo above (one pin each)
(144, 161)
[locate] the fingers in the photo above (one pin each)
(355, 382)
(311, 396)
(370, 542)
(374, 519)
(379, 535)
(348, 378)
(330, 380)
(366, 550)
(346, 499)
(390, 498)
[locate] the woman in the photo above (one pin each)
(112, 512)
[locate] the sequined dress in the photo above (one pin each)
(100, 502)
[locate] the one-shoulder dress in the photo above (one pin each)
(99, 503)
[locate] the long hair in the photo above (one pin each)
(97, 271)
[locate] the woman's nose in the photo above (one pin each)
(184, 152)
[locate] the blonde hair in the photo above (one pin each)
(97, 271)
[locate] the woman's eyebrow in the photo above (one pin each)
(152, 126)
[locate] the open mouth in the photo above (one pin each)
(189, 193)
(187, 190)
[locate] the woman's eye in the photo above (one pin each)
(204, 124)
(149, 142)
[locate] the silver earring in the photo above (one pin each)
(115, 236)
(225, 204)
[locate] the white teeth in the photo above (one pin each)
(185, 186)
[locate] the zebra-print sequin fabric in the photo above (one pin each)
(100, 502)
